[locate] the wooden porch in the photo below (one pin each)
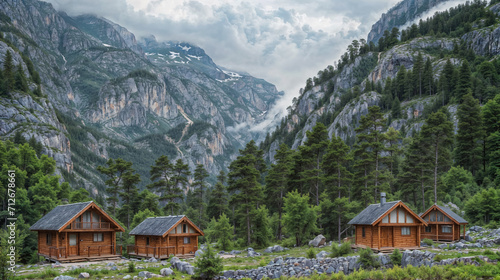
(159, 253)
(98, 252)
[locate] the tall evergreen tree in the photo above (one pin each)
(277, 182)
(119, 171)
(8, 72)
(437, 134)
(246, 191)
(469, 135)
(161, 176)
(418, 69)
(312, 154)
(428, 77)
(464, 84)
(300, 217)
(218, 198)
(368, 151)
(128, 192)
(199, 186)
(337, 176)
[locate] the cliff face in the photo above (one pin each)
(405, 11)
(123, 97)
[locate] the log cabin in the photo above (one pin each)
(443, 224)
(77, 232)
(387, 225)
(161, 237)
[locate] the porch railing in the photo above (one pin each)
(60, 252)
(157, 252)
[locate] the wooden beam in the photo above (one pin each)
(378, 237)
(418, 235)
(393, 235)
(437, 232)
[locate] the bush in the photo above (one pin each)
(342, 250)
(131, 267)
(428, 241)
(209, 266)
(438, 258)
(396, 257)
(288, 242)
(367, 259)
(311, 254)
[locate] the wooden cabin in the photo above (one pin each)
(161, 237)
(77, 232)
(443, 224)
(387, 225)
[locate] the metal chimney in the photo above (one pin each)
(382, 198)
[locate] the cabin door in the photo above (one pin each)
(73, 244)
(386, 237)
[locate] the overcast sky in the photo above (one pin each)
(282, 41)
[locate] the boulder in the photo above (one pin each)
(468, 238)
(476, 229)
(166, 272)
(317, 241)
(174, 260)
(459, 245)
(152, 259)
(127, 277)
(143, 273)
(188, 269)
(198, 253)
(228, 274)
(235, 252)
(252, 253)
(84, 275)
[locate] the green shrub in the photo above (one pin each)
(209, 266)
(367, 259)
(428, 241)
(288, 242)
(438, 258)
(131, 267)
(311, 254)
(342, 250)
(396, 257)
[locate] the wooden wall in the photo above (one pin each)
(367, 240)
(406, 240)
(177, 241)
(389, 237)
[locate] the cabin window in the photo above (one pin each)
(428, 229)
(48, 239)
(394, 216)
(72, 240)
(187, 240)
(98, 237)
(405, 231)
(184, 228)
(409, 218)
(440, 217)
(401, 216)
(446, 229)
(363, 232)
(147, 241)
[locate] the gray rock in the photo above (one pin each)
(476, 229)
(442, 246)
(198, 253)
(235, 252)
(152, 259)
(322, 255)
(468, 238)
(127, 277)
(84, 275)
(228, 274)
(174, 260)
(64, 277)
(317, 241)
(166, 272)
(143, 274)
(459, 245)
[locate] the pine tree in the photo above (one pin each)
(447, 82)
(369, 148)
(277, 182)
(437, 134)
(199, 187)
(337, 176)
(428, 78)
(300, 217)
(21, 82)
(468, 149)
(129, 192)
(244, 175)
(392, 137)
(396, 108)
(312, 154)
(161, 175)
(8, 72)
(464, 84)
(218, 198)
(491, 123)
(418, 69)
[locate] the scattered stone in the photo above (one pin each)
(235, 252)
(174, 260)
(198, 253)
(317, 241)
(64, 277)
(127, 277)
(322, 255)
(476, 229)
(152, 259)
(84, 275)
(166, 272)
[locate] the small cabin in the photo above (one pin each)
(77, 232)
(443, 224)
(161, 237)
(387, 225)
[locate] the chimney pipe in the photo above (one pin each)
(382, 198)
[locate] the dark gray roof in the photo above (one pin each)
(156, 225)
(452, 214)
(372, 213)
(59, 216)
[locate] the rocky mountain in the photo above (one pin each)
(404, 12)
(108, 95)
(340, 96)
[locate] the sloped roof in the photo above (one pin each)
(447, 211)
(372, 213)
(59, 216)
(62, 215)
(160, 226)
